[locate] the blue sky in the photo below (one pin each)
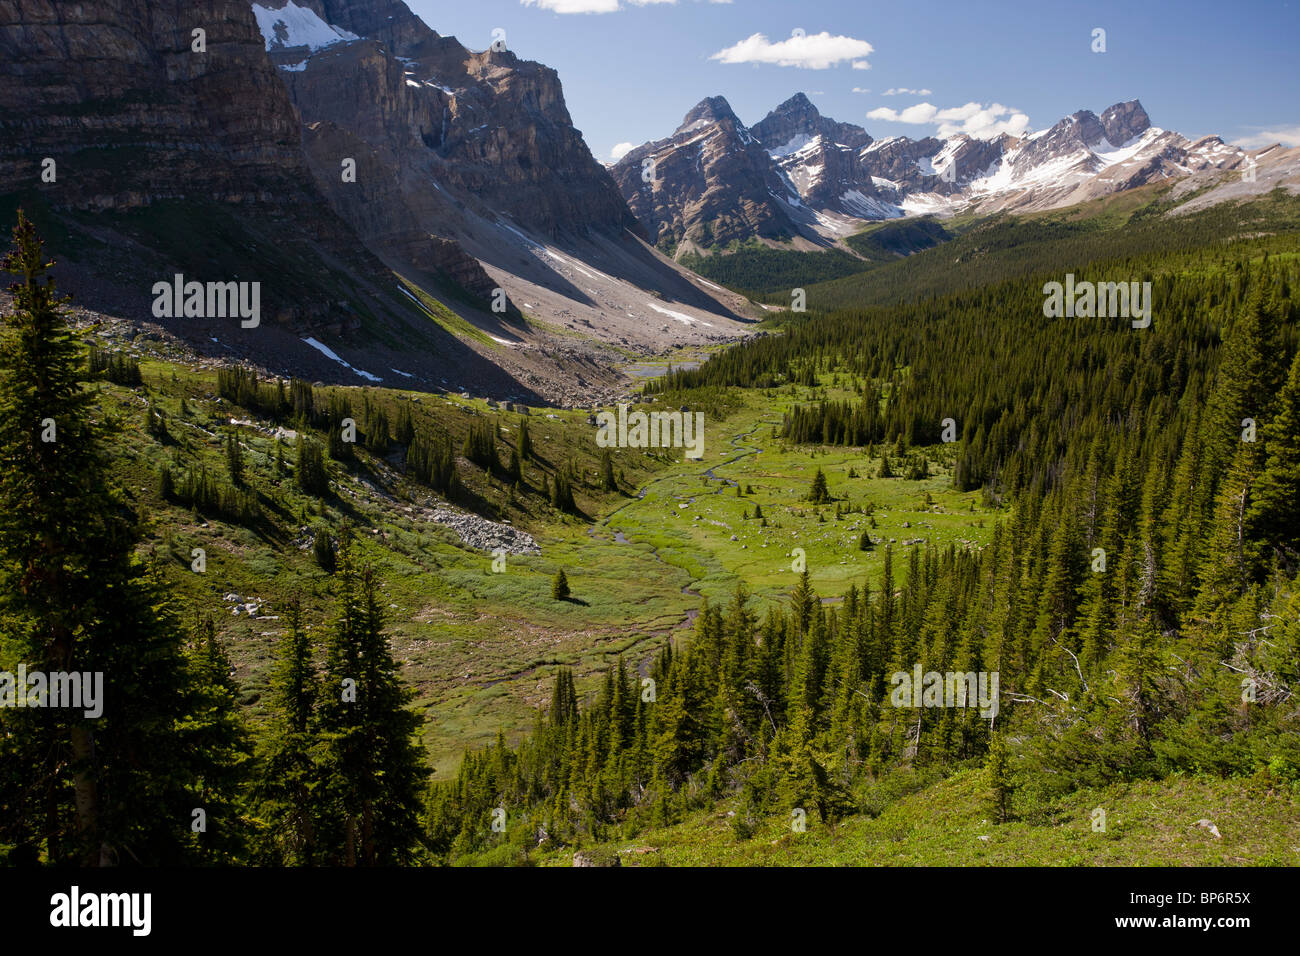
(630, 74)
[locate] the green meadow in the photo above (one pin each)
(481, 646)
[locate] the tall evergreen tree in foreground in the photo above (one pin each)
(289, 785)
(121, 785)
(372, 767)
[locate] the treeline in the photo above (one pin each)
(1024, 392)
(757, 271)
(1007, 247)
(1141, 605)
(428, 452)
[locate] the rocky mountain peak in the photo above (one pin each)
(798, 107)
(1123, 121)
(798, 119)
(712, 109)
(832, 176)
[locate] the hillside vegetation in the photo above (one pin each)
(555, 647)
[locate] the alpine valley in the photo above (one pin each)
(428, 492)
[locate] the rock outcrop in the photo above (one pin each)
(133, 108)
(489, 128)
(708, 184)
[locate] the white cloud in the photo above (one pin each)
(900, 90)
(816, 51)
(861, 65)
(1287, 136)
(858, 89)
(620, 150)
(973, 119)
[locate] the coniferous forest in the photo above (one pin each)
(441, 443)
(1140, 603)
(1138, 596)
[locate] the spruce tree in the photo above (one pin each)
(121, 786)
(234, 458)
(607, 472)
(374, 771)
(310, 474)
(220, 734)
(997, 780)
(288, 791)
(1275, 511)
(819, 494)
(560, 586)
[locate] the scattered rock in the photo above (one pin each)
(1207, 825)
(600, 856)
(484, 535)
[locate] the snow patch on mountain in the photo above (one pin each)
(1110, 155)
(681, 317)
(329, 353)
(868, 207)
(796, 145)
(293, 26)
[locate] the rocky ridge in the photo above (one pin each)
(833, 177)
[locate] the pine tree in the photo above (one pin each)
(166, 484)
(120, 786)
(997, 777)
(560, 586)
(525, 442)
(219, 732)
(1275, 511)
(373, 769)
(310, 474)
(819, 493)
(287, 791)
(234, 459)
(607, 472)
(803, 601)
(404, 426)
(323, 551)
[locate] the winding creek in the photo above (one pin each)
(618, 537)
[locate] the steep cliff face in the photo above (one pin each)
(485, 124)
(317, 148)
(116, 93)
(468, 174)
(709, 183)
(166, 117)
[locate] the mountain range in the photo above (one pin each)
(411, 204)
(418, 209)
(797, 175)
